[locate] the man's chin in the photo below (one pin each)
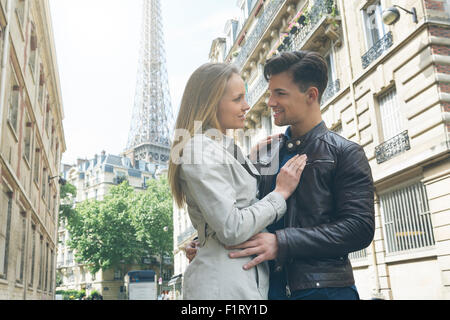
(279, 123)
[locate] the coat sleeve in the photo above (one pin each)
(354, 224)
(210, 187)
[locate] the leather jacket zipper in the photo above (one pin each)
(288, 291)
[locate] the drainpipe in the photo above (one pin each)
(4, 63)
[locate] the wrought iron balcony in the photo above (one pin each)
(263, 23)
(331, 90)
(322, 13)
(377, 50)
(392, 147)
(257, 91)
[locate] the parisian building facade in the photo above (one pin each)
(389, 91)
(31, 145)
(93, 178)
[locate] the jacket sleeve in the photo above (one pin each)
(354, 224)
(211, 189)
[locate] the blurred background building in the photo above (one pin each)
(93, 178)
(389, 91)
(31, 145)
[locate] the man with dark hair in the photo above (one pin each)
(331, 214)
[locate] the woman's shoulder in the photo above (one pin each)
(201, 149)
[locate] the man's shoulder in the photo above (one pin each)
(338, 142)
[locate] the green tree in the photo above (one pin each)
(102, 232)
(153, 217)
(68, 192)
(124, 227)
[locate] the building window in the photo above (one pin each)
(41, 85)
(44, 183)
(41, 263)
(21, 252)
(13, 102)
(118, 274)
(373, 24)
(377, 40)
(33, 254)
(391, 119)
(47, 115)
(33, 50)
(27, 138)
(52, 260)
(37, 160)
(407, 219)
(333, 85)
(5, 228)
(46, 268)
(361, 254)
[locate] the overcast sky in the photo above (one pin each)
(97, 46)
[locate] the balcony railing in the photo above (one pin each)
(377, 50)
(257, 91)
(263, 23)
(317, 15)
(392, 147)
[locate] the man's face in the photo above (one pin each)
(289, 105)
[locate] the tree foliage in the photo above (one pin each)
(68, 192)
(124, 227)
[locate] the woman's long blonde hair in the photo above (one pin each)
(202, 95)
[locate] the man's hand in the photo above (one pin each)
(263, 144)
(263, 245)
(191, 250)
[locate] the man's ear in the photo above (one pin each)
(312, 94)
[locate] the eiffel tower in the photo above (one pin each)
(152, 118)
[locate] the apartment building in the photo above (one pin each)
(389, 91)
(31, 145)
(93, 178)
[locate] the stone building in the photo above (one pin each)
(389, 91)
(93, 178)
(31, 145)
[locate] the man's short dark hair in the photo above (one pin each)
(308, 69)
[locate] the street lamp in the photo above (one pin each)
(61, 180)
(392, 15)
(165, 229)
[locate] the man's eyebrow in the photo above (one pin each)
(278, 90)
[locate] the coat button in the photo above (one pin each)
(317, 284)
(278, 269)
(298, 142)
(290, 145)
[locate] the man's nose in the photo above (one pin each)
(271, 103)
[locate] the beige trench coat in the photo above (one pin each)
(222, 203)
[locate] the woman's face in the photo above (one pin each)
(232, 107)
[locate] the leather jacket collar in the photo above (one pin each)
(297, 144)
(291, 144)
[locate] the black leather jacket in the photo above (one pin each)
(330, 214)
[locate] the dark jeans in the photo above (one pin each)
(347, 293)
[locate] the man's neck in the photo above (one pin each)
(300, 129)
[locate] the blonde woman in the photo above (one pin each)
(208, 172)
